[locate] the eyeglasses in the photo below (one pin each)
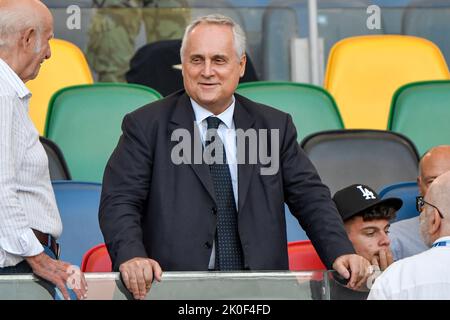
(420, 203)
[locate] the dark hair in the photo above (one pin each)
(378, 212)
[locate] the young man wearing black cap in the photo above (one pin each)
(367, 220)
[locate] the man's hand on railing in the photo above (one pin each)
(59, 273)
(355, 268)
(138, 274)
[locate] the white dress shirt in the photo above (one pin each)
(227, 134)
(27, 200)
(421, 277)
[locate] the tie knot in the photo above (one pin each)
(213, 122)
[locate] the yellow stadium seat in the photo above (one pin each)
(66, 67)
(364, 72)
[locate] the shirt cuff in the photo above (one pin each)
(24, 245)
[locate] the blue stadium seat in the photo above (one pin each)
(407, 191)
(293, 228)
(78, 204)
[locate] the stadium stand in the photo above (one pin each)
(421, 111)
(279, 27)
(78, 204)
(407, 191)
(96, 259)
(66, 67)
(429, 19)
(294, 231)
(372, 157)
(312, 108)
(303, 257)
(56, 163)
(364, 72)
(64, 9)
(85, 122)
(336, 19)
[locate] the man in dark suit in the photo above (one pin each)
(158, 213)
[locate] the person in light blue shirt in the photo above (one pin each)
(405, 235)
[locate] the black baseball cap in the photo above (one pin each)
(357, 198)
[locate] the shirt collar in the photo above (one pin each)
(202, 113)
(446, 238)
(17, 84)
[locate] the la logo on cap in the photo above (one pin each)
(366, 193)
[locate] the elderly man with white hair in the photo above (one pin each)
(423, 276)
(29, 218)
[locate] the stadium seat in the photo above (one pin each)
(372, 157)
(336, 20)
(66, 67)
(391, 14)
(312, 108)
(407, 191)
(339, 19)
(294, 231)
(279, 27)
(85, 122)
(158, 65)
(303, 257)
(62, 13)
(56, 163)
(421, 111)
(429, 19)
(78, 204)
(364, 72)
(97, 260)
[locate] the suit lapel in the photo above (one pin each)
(184, 118)
(244, 121)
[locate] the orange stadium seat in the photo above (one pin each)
(303, 257)
(97, 260)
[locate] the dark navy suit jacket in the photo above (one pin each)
(151, 207)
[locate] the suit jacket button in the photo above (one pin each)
(214, 210)
(208, 245)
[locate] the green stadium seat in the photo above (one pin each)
(421, 111)
(311, 107)
(85, 122)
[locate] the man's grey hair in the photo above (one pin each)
(238, 33)
(13, 21)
